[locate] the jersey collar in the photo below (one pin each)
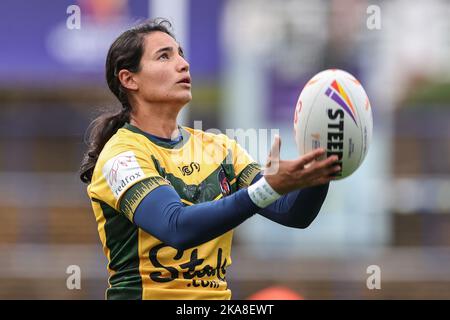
(162, 142)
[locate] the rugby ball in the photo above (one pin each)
(333, 112)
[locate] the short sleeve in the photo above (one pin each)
(123, 176)
(245, 167)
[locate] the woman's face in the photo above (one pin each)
(164, 75)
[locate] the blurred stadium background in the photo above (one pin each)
(249, 60)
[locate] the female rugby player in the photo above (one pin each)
(166, 197)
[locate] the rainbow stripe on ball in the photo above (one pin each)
(337, 93)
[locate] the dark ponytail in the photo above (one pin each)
(125, 53)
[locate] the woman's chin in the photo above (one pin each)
(185, 98)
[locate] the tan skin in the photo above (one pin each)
(157, 96)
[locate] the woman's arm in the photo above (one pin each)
(162, 214)
(298, 208)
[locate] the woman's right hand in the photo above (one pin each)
(285, 176)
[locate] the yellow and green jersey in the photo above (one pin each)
(203, 167)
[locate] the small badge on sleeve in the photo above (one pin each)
(122, 171)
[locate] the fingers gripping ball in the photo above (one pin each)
(333, 112)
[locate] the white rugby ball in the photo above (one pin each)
(334, 112)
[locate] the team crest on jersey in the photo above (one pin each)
(225, 186)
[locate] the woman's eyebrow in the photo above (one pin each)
(168, 49)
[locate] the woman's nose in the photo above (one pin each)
(183, 65)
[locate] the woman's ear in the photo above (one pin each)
(127, 80)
